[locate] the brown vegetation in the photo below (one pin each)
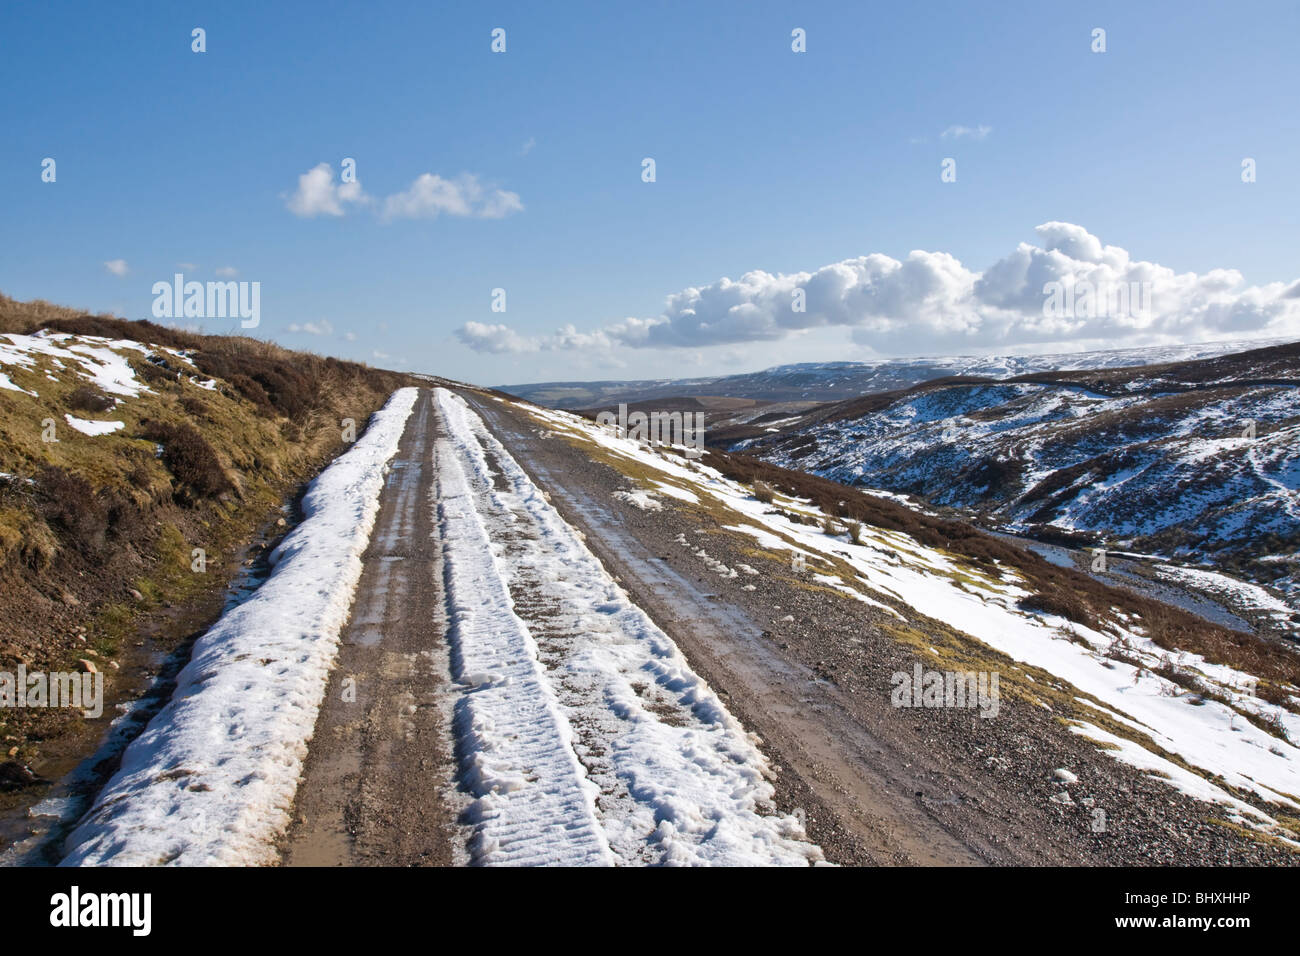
(87, 398)
(189, 458)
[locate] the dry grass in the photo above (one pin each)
(87, 398)
(27, 317)
(1062, 604)
(190, 459)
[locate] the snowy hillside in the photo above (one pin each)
(1198, 461)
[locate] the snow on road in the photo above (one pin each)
(583, 733)
(534, 803)
(212, 778)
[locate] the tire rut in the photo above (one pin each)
(371, 792)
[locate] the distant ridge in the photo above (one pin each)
(834, 381)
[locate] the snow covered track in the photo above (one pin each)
(212, 779)
(534, 803)
(583, 734)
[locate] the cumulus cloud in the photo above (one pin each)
(323, 327)
(428, 197)
(319, 195)
(431, 196)
(930, 301)
(966, 132)
(495, 339)
(227, 272)
(116, 266)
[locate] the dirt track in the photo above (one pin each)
(373, 785)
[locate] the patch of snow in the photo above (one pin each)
(1126, 751)
(643, 500)
(674, 491)
(91, 427)
(99, 359)
(6, 382)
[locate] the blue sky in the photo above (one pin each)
(766, 159)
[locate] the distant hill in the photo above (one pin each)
(833, 381)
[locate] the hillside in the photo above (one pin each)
(1156, 459)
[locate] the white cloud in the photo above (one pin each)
(966, 132)
(428, 197)
(495, 339)
(930, 302)
(116, 266)
(227, 272)
(323, 327)
(431, 196)
(528, 146)
(186, 266)
(319, 195)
